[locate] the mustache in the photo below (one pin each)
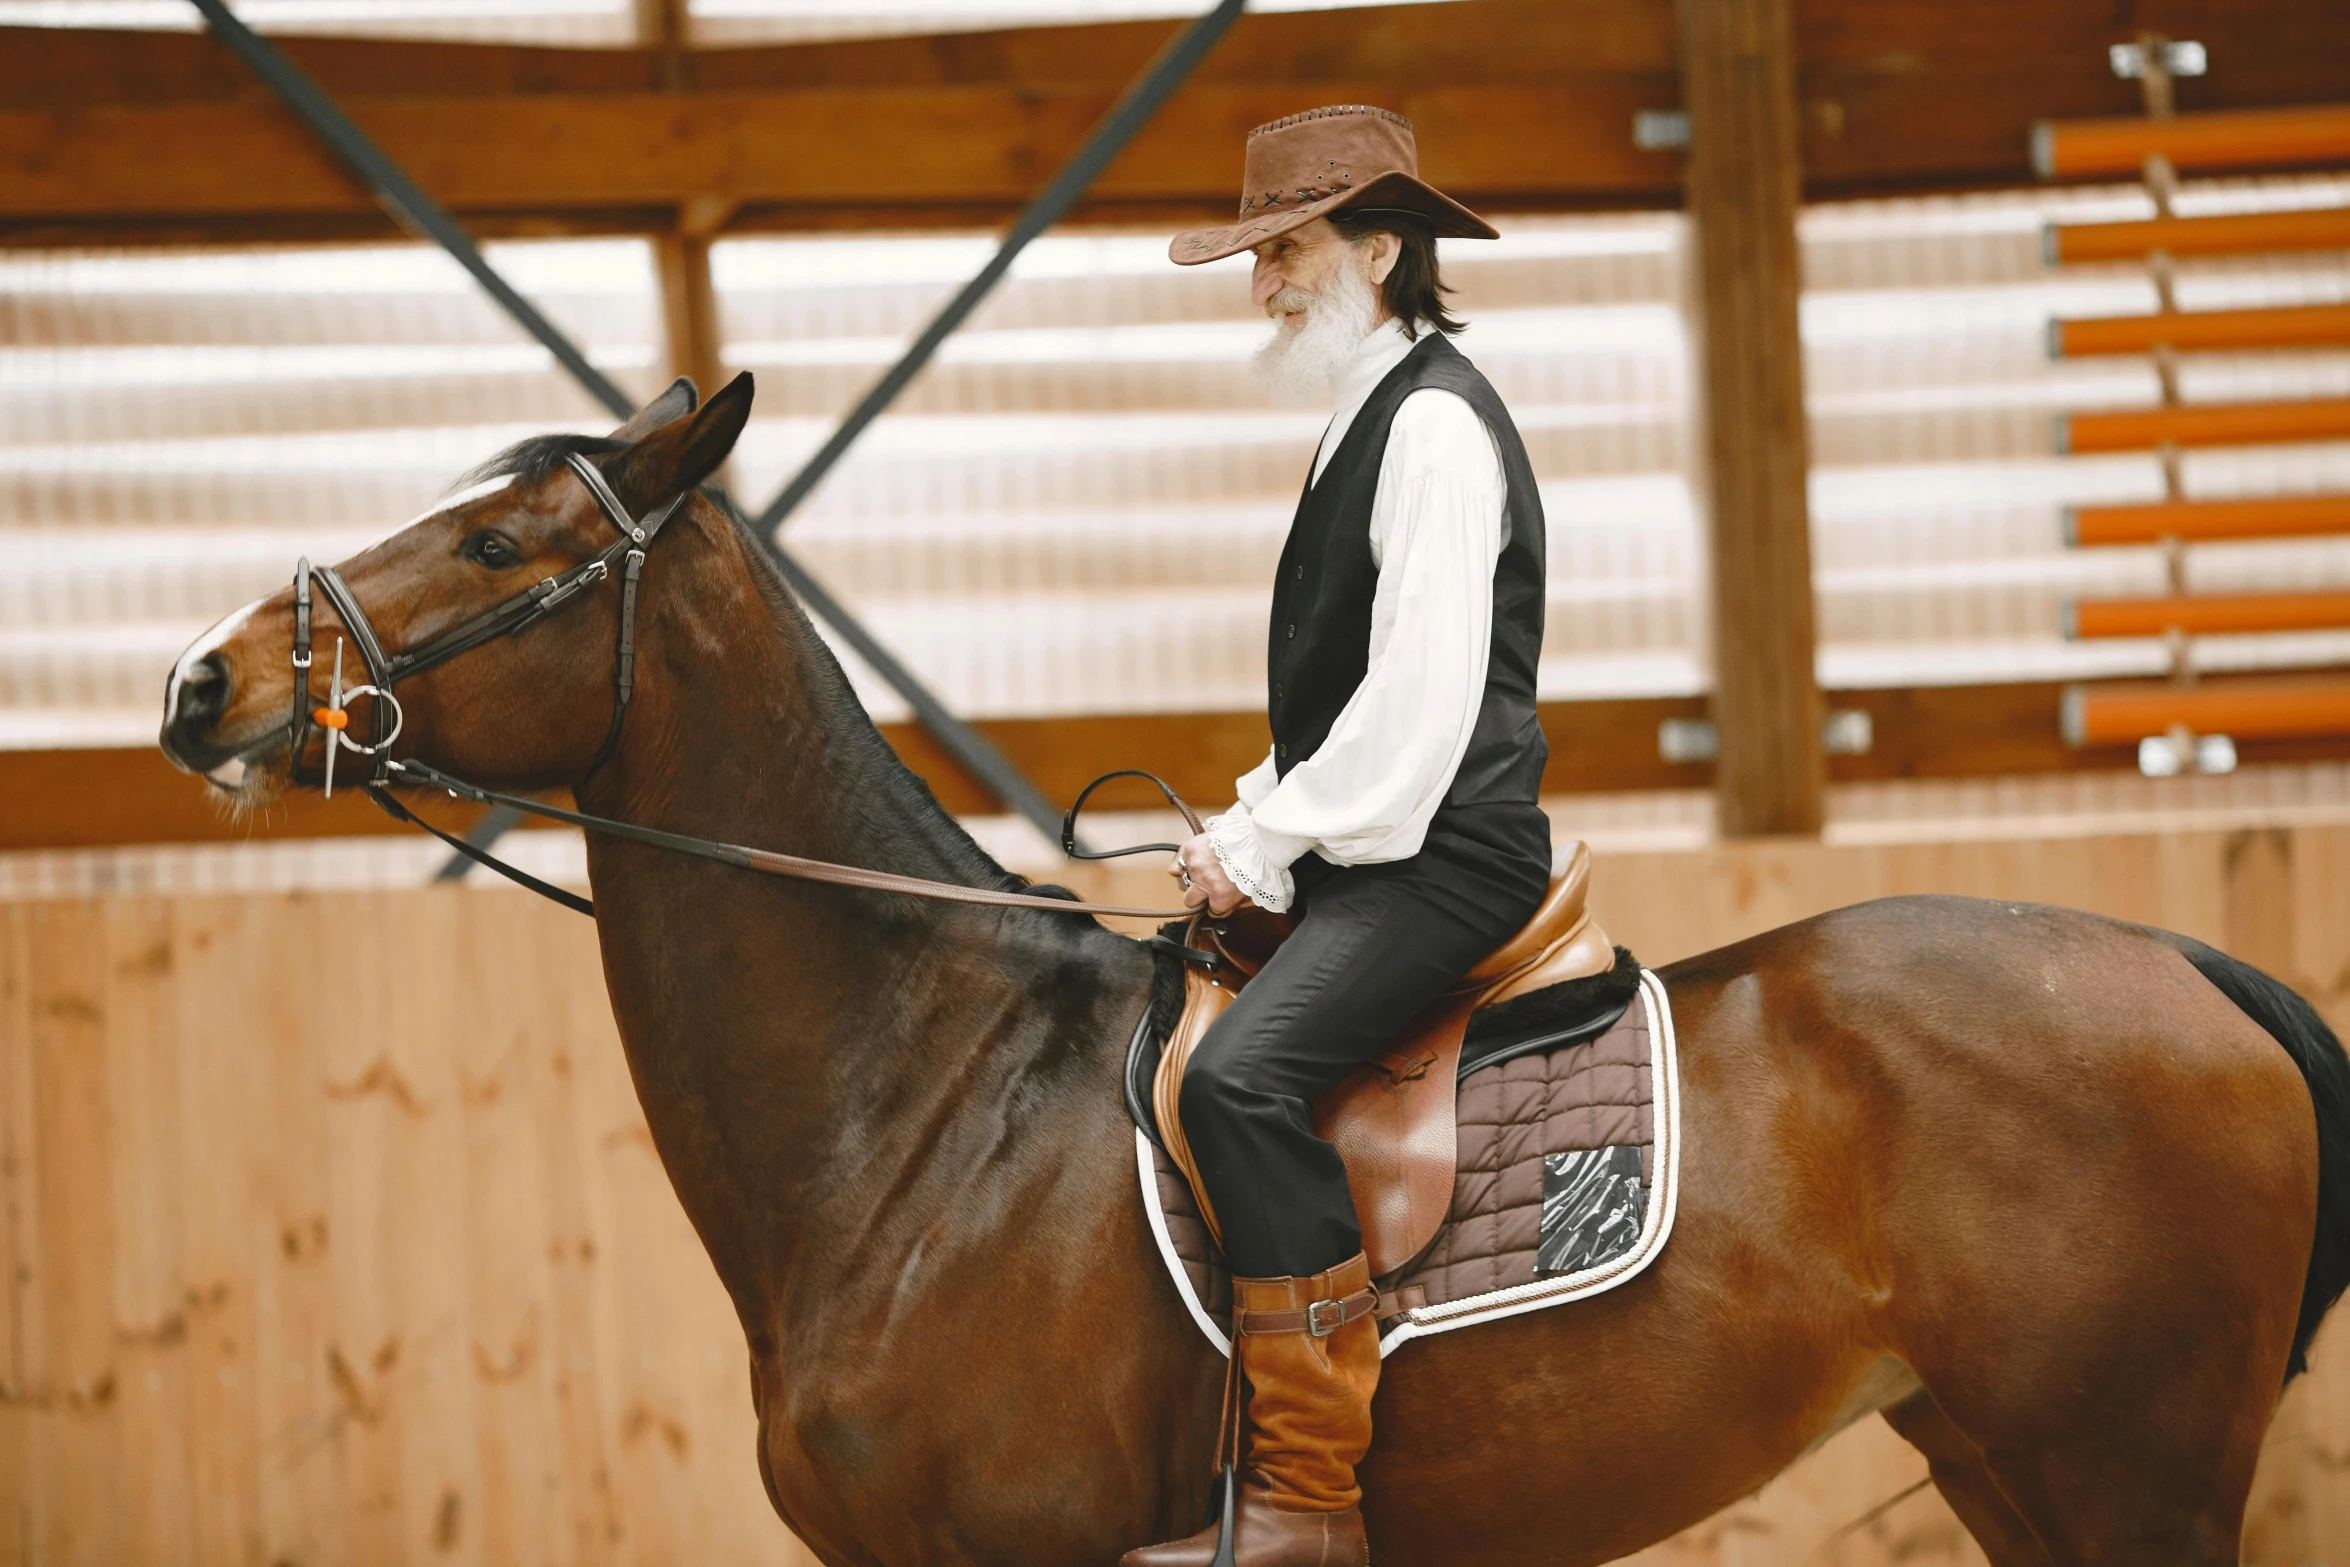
(1292, 301)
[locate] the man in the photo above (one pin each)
(1395, 815)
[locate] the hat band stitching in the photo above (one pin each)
(1332, 112)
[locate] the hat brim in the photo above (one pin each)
(1446, 216)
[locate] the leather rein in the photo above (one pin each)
(526, 609)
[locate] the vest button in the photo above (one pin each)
(1301, 574)
(1277, 692)
(1285, 751)
(1293, 632)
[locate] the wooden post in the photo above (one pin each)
(1744, 184)
(689, 308)
(664, 27)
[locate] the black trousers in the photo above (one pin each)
(1376, 943)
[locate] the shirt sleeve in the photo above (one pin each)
(1368, 793)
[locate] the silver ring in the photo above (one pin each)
(1187, 878)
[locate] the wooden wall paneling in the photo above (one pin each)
(205, 1173)
(23, 1292)
(306, 1246)
(76, 1369)
(148, 1175)
(2289, 911)
(228, 994)
(513, 1505)
(1744, 185)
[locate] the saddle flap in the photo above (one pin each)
(1204, 1001)
(1392, 1122)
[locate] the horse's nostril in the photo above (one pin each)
(199, 694)
(204, 690)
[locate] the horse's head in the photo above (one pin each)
(524, 710)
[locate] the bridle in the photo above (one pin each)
(385, 670)
(511, 616)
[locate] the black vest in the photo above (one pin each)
(1321, 635)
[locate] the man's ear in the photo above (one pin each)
(1386, 251)
(673, 404)
(684, 452)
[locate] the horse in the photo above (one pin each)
(2063, 1199)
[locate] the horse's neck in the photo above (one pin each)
(804, 1053)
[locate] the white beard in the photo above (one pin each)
(1299, 363)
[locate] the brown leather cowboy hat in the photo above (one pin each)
(1313, 164)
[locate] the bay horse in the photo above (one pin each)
(2064, 1199)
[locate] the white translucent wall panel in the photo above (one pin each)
(175, 429)
(1078, 507)
(1937, 494)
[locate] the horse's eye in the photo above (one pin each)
(492, 550)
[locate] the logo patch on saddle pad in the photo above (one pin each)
(1592, 1204)
(1568, 1175)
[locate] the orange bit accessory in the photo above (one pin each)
(330, 718)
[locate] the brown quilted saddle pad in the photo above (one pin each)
(1568, 1172)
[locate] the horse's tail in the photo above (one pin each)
(2294, 1023)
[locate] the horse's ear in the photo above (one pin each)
(672, 405)
(683, 452)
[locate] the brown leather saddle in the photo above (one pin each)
(1392, 1119)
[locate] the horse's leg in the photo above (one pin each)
(1966, 1484)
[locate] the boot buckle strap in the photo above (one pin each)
(1320, 1319)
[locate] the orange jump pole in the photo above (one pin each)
(2280, 517)
(2243, 138)
(2208, 424)
(2206, 614)
(2228, 234)
(2290, 326)
(2124, 715)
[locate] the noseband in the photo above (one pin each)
(519, 613)
(524, 610)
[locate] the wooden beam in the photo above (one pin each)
(2206, 614)
(2278, 709)
(2264, 517)
(1745, 184)
(2197, 143)
(2202, 331)
(2204, 424)
(96, 798)
(1523, 105)
(2225, 234)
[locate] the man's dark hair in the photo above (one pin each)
(1414, 291)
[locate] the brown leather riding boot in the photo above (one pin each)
(1310, 1349)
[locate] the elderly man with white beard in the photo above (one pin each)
(1394, 816)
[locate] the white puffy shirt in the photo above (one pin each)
(1437, 530)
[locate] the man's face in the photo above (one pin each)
(1300, 262)
(1321, 291)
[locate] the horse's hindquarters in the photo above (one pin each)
(2026, 1157)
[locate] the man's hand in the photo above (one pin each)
(1203, 878)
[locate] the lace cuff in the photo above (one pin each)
(1233, 836)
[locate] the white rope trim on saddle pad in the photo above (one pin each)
(1655, 1228)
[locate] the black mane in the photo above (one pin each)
(535, 457)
